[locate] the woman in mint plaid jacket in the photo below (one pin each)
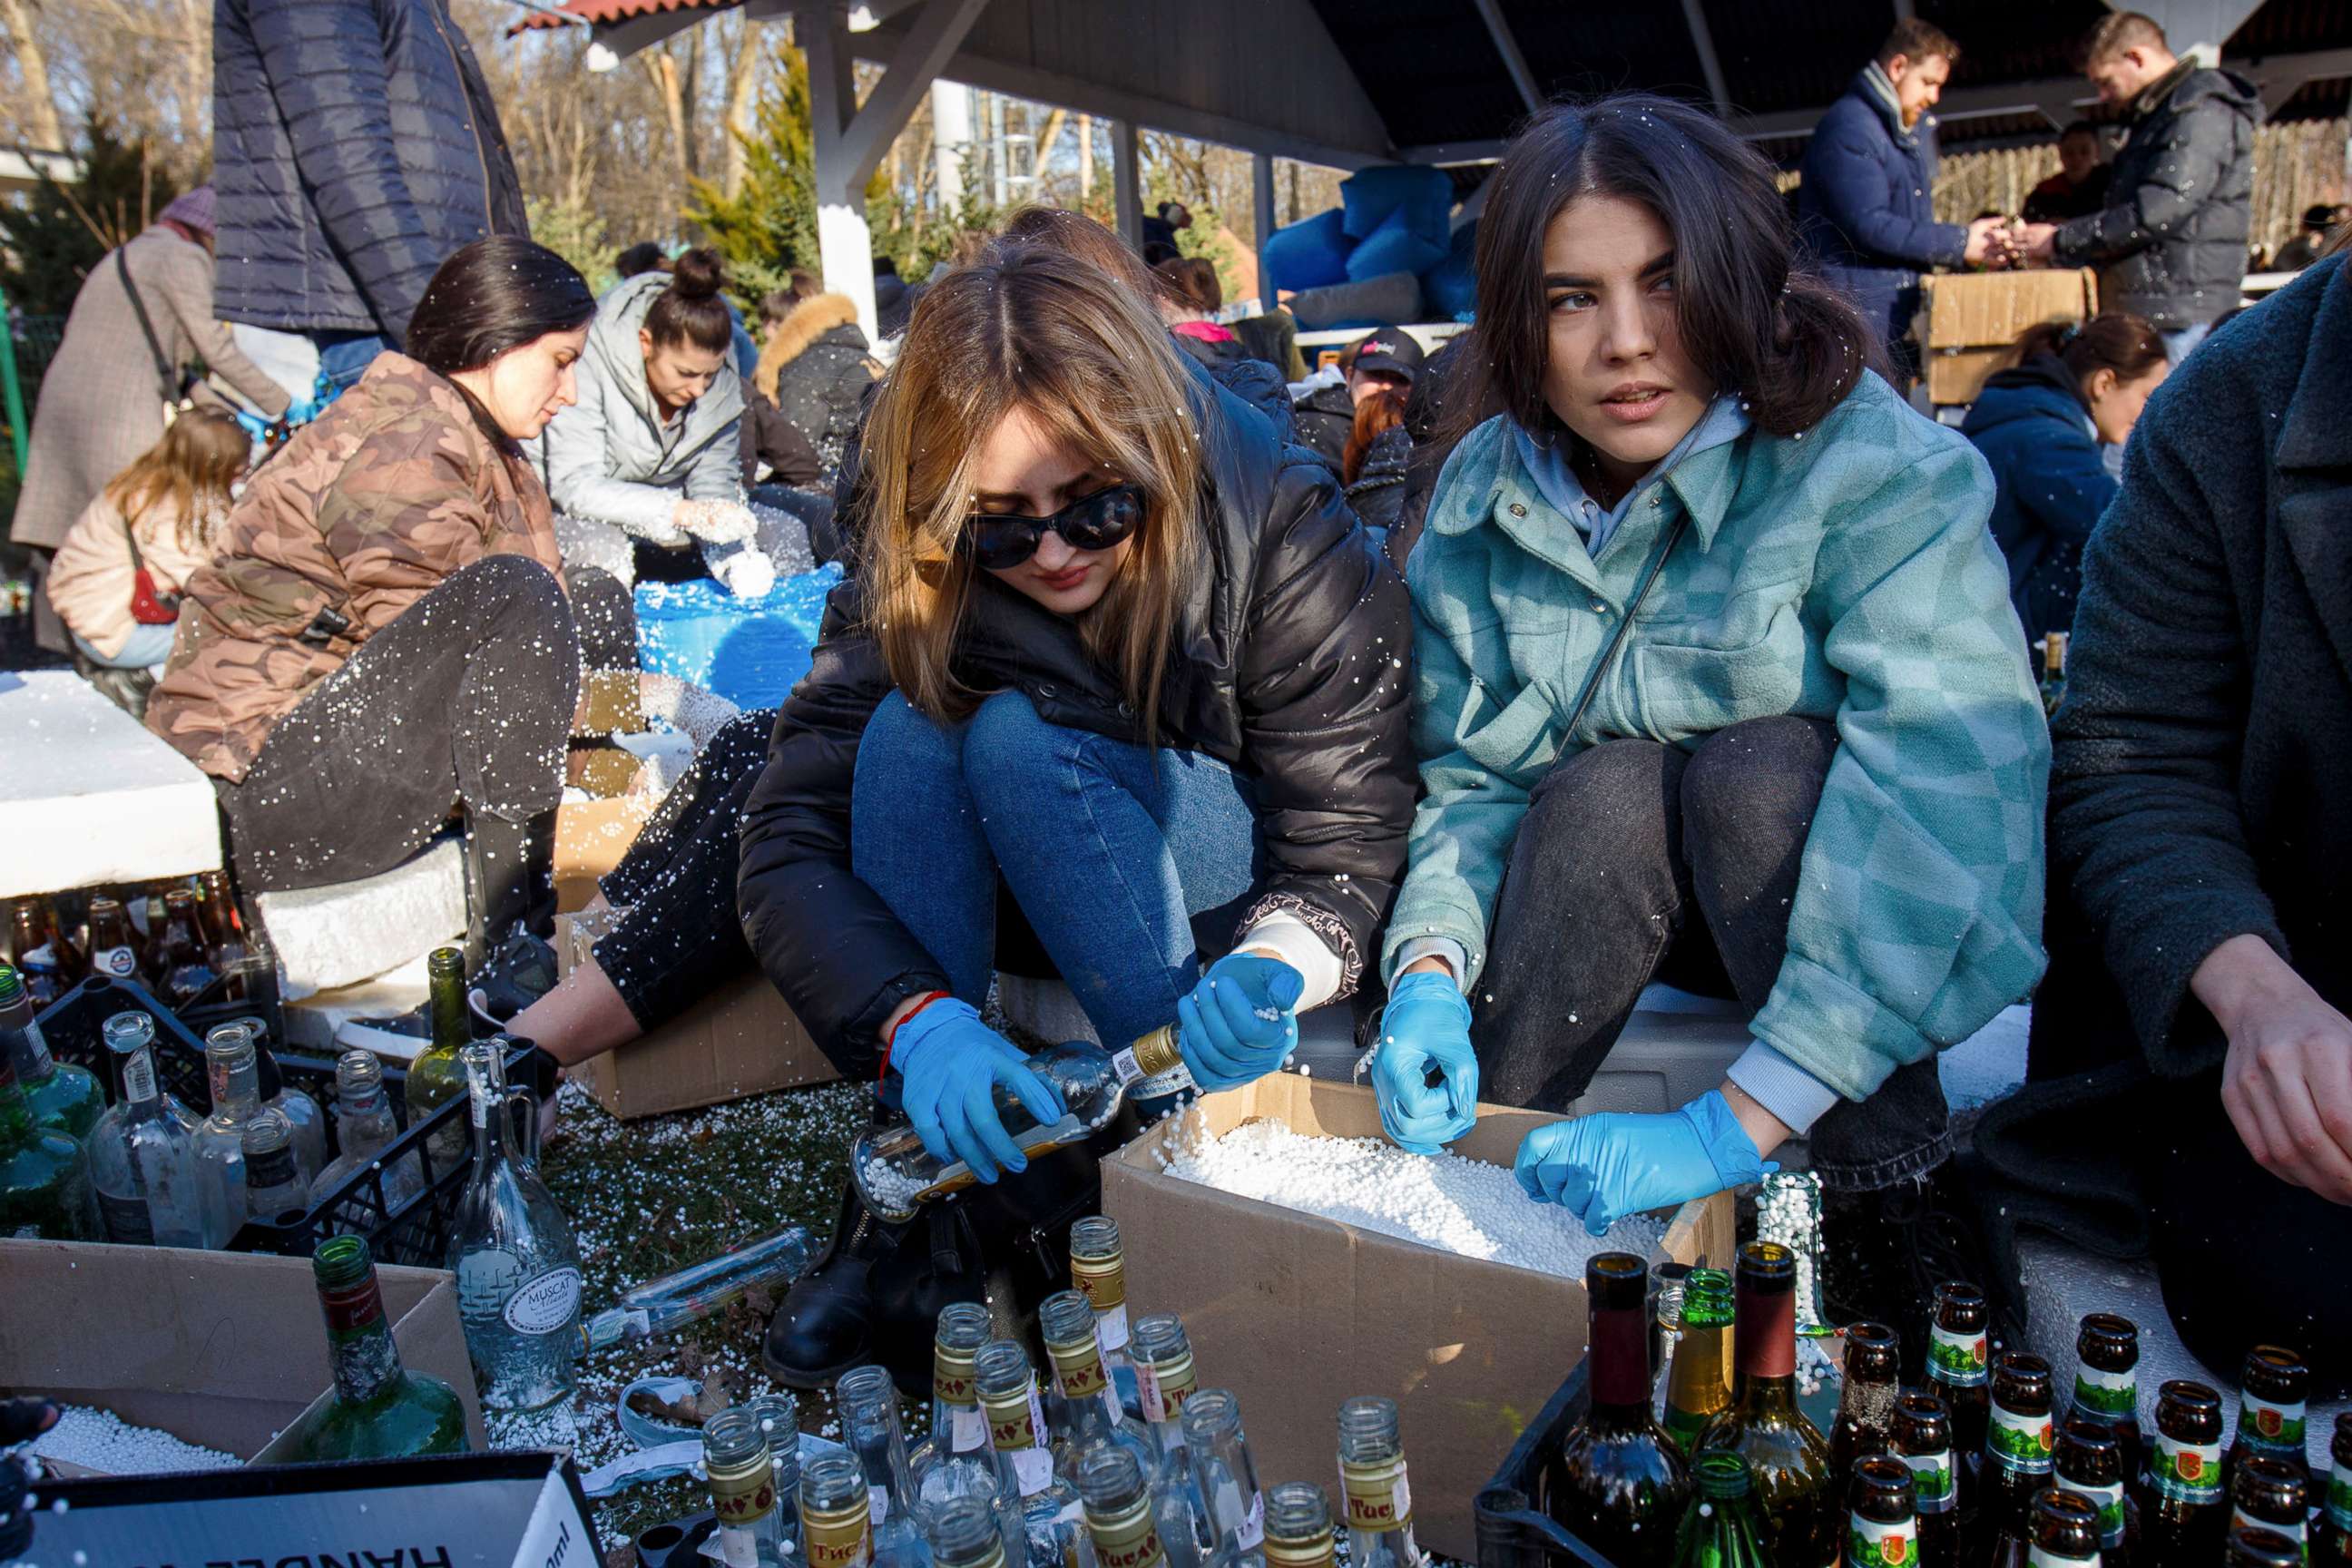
(1808, 774)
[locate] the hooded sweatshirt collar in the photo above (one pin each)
(1549, 469)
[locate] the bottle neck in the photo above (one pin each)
(1621, 1367)
(1764, 1337)
(237, 1090)
(358, 1340)
(15, 1121)
(24, 1035)
(489, 1131)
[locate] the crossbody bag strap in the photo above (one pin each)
(1625, 628)
(166, 376)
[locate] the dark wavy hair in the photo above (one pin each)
(1758, 327)
(491, 296)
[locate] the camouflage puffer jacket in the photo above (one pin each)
(393, 489)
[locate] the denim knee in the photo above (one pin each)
(901, 743)
(1755, 772)
(1008, 750)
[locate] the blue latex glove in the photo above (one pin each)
(1606, 1166)
(951, 1065)
(1224, 1031)
(1427, 1024)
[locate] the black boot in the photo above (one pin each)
(825, 1325)
(509, 881)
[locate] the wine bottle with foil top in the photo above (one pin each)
(1098, 1271)
(379, 1409)
(2090, 1464)
(1117, 1505)
(2021, 1454)
(2331, 1540)
(1618, 1483)
(2273, 1388)
(58, 1095)
(1373, 1479)
(1921, 1437)
(1866, 1412)
(2187, 1517)
(836, 1514)
(2273, 1494)
(2106, 1380)
(1698, 1378)
(1881, 1520)
(1024, 1460)
(1298, 1527)
(1787, 1459)
(2062, 1530)
(744, 1495)
(1959, 1372)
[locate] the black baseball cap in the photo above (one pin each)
(1390, 350)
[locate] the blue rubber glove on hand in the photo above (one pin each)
(1237, 1025)
(1427, 1024)
(951, 1065)
(1605, 1167)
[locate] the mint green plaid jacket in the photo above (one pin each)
(1844, 574)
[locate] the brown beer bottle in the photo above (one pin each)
(2091, 1465)
(2187, 1516)
(177, 968)
(1866, 1404)
(2106, 1380)
(2065, 1531)
(1922, 1435)
(1787, 1459)
(2271, 1493)
(40, 957)
(1882, 1526)
(2331, 1542)
(1618, 1483)
(222, 928)
(2020, 1450)
(114, 948)
(2272, 1389)
(1959, 1372)
(2251, 1547)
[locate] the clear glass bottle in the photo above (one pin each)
(1118, 1503)
(1024, 1460)
(1166, 1382)
(964, 1533)
(274, 1191)
(778, 1415)
(836, 1521)
(1297, 1526)
(699, 1290)
(57, 1094)
(220, 1137)
(303, 1113)
(436, 1077)
(1087, 1413)
(44, 1177)
(744, 1492)
(380, 1409)
(956, 1461)
(1098, 1271)
(867, 1402)
(364, 1127)
(1698, 1379)
(895, 1175)
(1372, 1479)
(1225, 1477)
(142, 1157)
(518, 1270)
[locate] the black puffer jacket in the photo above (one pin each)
(1325, 418)
(2171, 244)
(817, 369)
(1378, 492)
(354, 146)
(1285, 669)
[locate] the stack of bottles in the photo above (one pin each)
(1715, 1465)
(1119, 1459)
(183, 940)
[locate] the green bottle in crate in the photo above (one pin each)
(1788, 1460)
(436, 1077)
(380, 1409)
(44, 1179)
(1720, 1530)
(57, 1094)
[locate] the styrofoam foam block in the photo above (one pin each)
(91, 795)
(315, 1022)
(350, 931)
(2062, 1284)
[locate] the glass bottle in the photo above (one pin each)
(142, 1158)
(2054, 671)
(436, 1077)
(835, 1524)
(1719, 1530)
(2107, 1381)
(779, 1417)
(301, 1112)
(42, 953)
(113, 950)
(2063, 1529)
(1921, 1435)
(2272, 1390)
(2021, 1448)
(1024, 1461)
(1297, 1526)
(1372, 1479)
(1117, 1505)
(2187, 1514)
(2090, 1463)
(1618, 1483)
(365, 1128)
(177, 968)
(1087, 1413)
(2271, 1493)
(380, 1409)
(699, 1290)
(1866, 1402)
(1098, 1271)
(518, 1270)
(895, 1175)
(222, 927)
(963, 1532)
(1788, 1460)
(2331, 1541)
(867, 1404)
(1224, 1477)
(2249, 1547)
(44, 1175)
(1167, 1384)
(274, 1191)
(1882, 1523)
(220, 1138)
(1698, 1379)
(956, 1462)
(58, 1095)
(744, 1491)
(1959, 1372)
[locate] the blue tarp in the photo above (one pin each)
(750, 651)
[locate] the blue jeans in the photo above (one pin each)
(343, 358)
(148, 645)
(1129, 863)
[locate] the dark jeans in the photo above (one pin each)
(680, 936)
(1638, 861)
(464, 697)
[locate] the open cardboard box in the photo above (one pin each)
(1295, 1312)
(221, 1349)
(1990, 309)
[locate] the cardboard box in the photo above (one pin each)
(223, 1348)
(590, 836)
(1989, 309)
(1958, 375)
(1295, 1312)
(740, 1040)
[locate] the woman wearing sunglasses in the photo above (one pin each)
(1109, 650)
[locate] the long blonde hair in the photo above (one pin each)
(190, 470)
(1026, 327)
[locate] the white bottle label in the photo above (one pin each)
(118, 962)
(545, 1305)
(139, 1077)
(2111, 1393)
(1110, 1328)
(1147, 1393)
(878, 1506)
(967, 1429)
(738, 1546)
(1123, 1062)
(1033, 1469)
(1253, 1531)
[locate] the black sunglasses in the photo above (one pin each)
(1000, 541)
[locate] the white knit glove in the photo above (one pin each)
(714, 521)
(743, 571)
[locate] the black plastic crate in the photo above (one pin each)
(1513, 1529)
(418, 1232)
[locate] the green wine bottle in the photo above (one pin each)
(380, 1409)
(1720, 1530)
(44, 1178)
(57, 1094)
(436, 1077)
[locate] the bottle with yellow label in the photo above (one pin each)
(1119, 1519)
(836, 1524)
(1047, 1504)
(1086, 1413)
(744, 1491)
(1372, 1479)
(1166, 1382)
(1297, 1526)
(1098, 1271)
(955, 1461)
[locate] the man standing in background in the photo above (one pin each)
(2079, 187)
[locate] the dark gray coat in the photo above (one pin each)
(356, 145)
(2171, 242)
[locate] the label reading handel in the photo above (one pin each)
(1871, 1545)
(2109, 1501)
(545, 1305)
(2020, 1442)
(1956, 1358)
(1379, 1497)
(2189, 1472)
(2111, 1393)
(1932, 1482)
(2277, 1426)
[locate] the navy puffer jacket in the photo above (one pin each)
(2032, 427)
(1866, 209)
(356, 145)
